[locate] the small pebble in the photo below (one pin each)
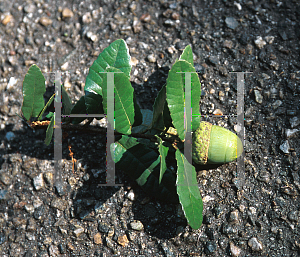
(87, 18)
(8, 18)
(131, 196)
(146, 17)
(223, 71)
(210, 247)
(217, 112)
(242, 208)
(45, 21)
(59, 204)
(207, 198)
(290, 132)
(235, 251)
(294, 216)
(10, 135)
(31, 225)
(175, 16)
(151, 58)
(295, 121)
(11, 84)
(30, 8)
(29, 208)
(123, 240)
(258, 96)
(234, 217)
(255, 244)
(5, 178)
(284, 147)
(238, 5)
(274, 65)
(103, 227)
(231, 22)
(269, 39)
(110, 243)
(97, 239)
(276, 104)
(67, 13)
(78, 231)
(3, 194)
(53, 250)
(259, 42)
(133, 61)
(59, 186)
(65, 66)
(228, 229)
(136, 225)
(48, 176)
(228, 44)
(38, 181)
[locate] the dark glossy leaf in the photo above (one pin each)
(167, 116)
(49, 131)
(93, 103)
(161, 114)
(66, 101)
(79, 108)
(176, 96)
(146, 124)
(33, 92)
(142, 165)
(188, 191)
(159, 103)
(138, 117)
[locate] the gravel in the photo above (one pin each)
(74, 216)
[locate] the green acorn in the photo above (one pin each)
(215, 145)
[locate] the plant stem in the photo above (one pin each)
(103, 130)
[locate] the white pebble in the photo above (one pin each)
(235, 251)
(11, 84)
(259, 42)
(255, 244)
(38, 181)
(131, 196)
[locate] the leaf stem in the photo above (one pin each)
(103, 130)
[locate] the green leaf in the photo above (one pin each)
(33, 91)
(176, 96)
(146, 124)
(161, 114)
(124, 106)
(163, 152)
(79, 108)
(49, 131)
(93, 103)
(142, 165)
(50, 115)
(115, 55)
(188, 191)
(66, 101)
(159, 103)
(45, 107)
(187, 55)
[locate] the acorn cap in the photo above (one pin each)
(215, 145)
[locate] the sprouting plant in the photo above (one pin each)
(162, 130)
